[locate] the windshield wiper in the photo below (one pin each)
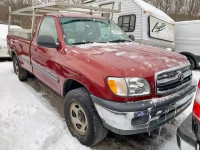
(79, 43)
(86, 42)
(119, 40)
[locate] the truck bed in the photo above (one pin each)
(18, 43)
(23, 33)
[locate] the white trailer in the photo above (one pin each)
(187, 41)
(148, 24)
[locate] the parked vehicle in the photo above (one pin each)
(188, 135)
(149, 25)
(3, 43)
(108, 82)
(187, 37)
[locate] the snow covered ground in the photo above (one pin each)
(29, 122)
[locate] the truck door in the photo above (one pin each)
(45, 61)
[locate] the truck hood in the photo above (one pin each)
(133, 59)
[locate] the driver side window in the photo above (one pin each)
(48, 28)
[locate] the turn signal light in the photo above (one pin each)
(117, 86)
(112, 86)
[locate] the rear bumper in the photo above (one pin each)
(142, 116)
(186, 139)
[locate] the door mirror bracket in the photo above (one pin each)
(132, 37)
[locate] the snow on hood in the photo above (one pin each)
(132, 57)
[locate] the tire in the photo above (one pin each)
(192, 62)
(19, 71)
(30, 75)
(95, 131)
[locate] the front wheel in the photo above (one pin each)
(82, 119)
(19, 71)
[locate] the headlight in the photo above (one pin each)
(138, 86)
(128, 86)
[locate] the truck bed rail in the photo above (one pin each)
(41, 9)
(56, 7)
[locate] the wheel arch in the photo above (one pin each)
(71, 84)
(192, 56)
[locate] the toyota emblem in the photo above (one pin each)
(181, 76)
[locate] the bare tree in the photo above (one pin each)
(193, 7)
(179, 9)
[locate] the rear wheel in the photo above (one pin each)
(19, 71)
(82, 118)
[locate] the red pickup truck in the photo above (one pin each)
(108, 81)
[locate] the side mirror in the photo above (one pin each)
(132, 37)
(47, 41)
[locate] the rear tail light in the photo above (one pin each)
(196, 108)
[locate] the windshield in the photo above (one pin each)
(85, 30)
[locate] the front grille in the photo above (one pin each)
(172, 80)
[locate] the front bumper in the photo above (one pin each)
(186, 139)
(149, 114)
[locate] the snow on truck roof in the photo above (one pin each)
(155, 11)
